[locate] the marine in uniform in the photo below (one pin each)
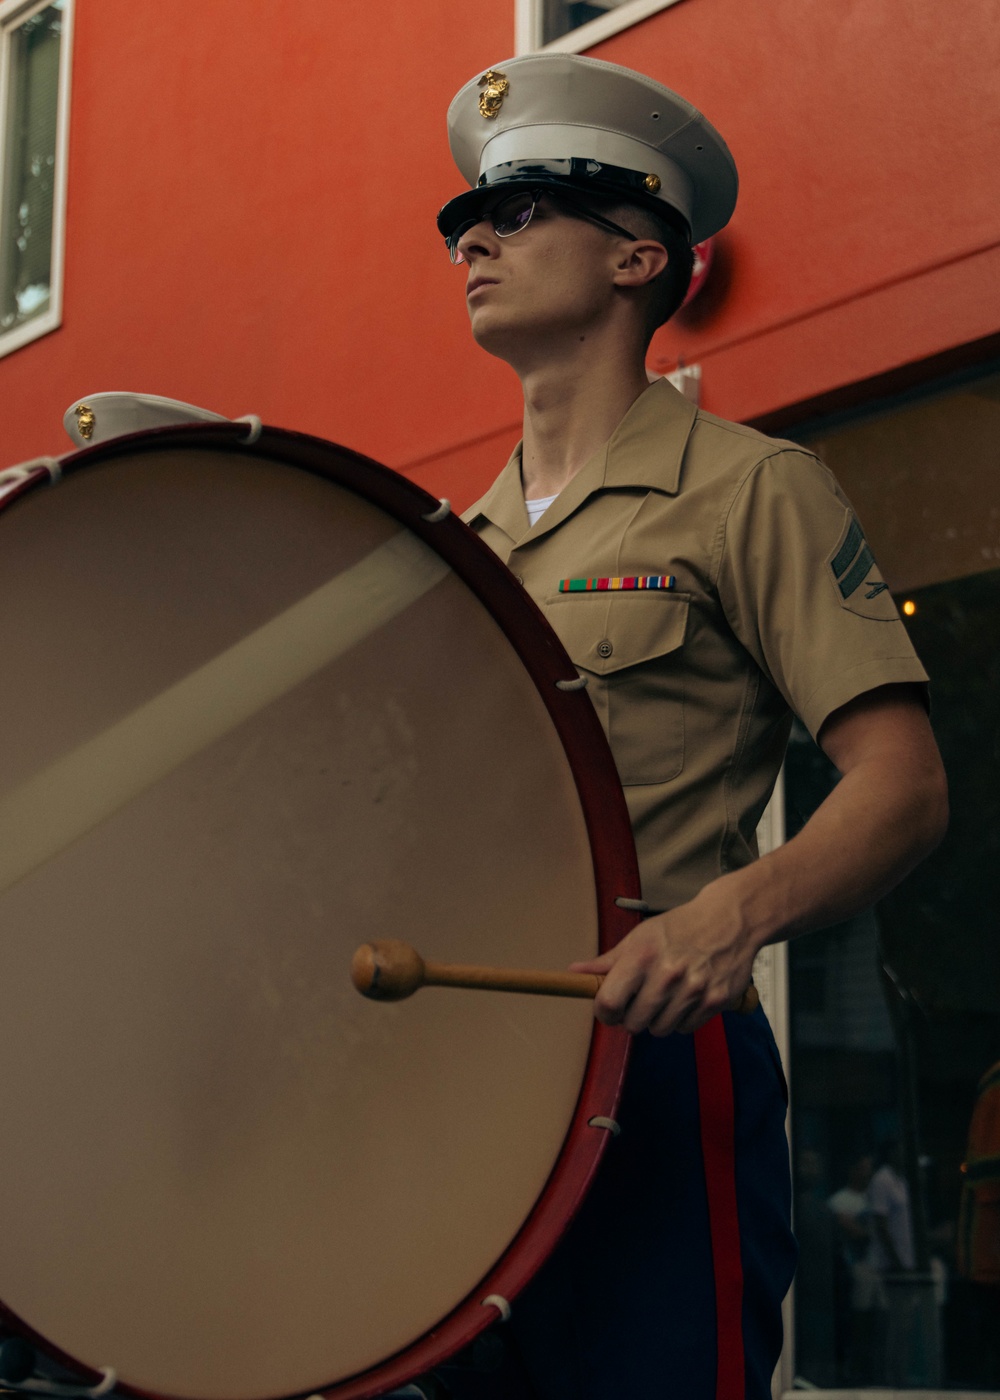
(709, 583)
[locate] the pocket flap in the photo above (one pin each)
(605, 632)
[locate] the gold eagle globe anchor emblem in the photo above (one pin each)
(495, 88)
(86, 421)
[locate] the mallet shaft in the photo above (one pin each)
(512, 979)
(389, 970)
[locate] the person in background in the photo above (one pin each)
(815, 1279)
(860, 1299)
(891, 1249)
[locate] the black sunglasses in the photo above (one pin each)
(514, 213)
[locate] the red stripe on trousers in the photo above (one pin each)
(718, 1150)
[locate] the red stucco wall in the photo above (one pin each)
(251, 221)
(867, 231)
(252, 193)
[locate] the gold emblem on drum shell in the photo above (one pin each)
(85, 421)
(495, 89)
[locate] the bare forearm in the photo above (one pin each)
(877, 824)
(677, 969)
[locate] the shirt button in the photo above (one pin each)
(604, 648)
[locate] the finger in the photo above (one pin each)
(600, 965)
(661, 1000)
(673, 1020)
(614, 1000)
(697, 1013)
(686, 1025)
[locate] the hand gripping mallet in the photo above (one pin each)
(389, 970)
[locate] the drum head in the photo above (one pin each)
(258, 711)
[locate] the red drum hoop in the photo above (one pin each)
(145, 582)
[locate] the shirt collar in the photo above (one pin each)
(646, 449)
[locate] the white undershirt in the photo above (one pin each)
(537, 508)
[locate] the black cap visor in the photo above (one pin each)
(573, 177)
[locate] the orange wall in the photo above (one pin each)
(253, 187)
(867, 233)
(251, 221)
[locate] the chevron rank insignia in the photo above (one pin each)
(856, 575)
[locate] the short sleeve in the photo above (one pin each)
(803, 593)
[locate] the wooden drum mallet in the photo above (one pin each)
(390, 970)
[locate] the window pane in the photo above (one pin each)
(560, 16)
(29, 160)
(894, 1063)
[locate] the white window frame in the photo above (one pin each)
(12, 14)
(528, 25)
(770, 974)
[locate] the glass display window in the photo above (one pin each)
(894, 1017)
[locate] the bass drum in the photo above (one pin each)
(263, 703)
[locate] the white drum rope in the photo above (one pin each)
(610, 1125)
(63, 802)
(59, 1390)
(434, 517)
(638, 905)
(495, 1300)
(13, 478)
(255, 425)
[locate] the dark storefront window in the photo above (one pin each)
(895, 1016)
(30, 51)
(561, 16)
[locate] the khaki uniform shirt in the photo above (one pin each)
(777, 607)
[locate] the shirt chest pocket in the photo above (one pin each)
(631, 648)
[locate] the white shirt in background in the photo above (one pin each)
(889, 1197)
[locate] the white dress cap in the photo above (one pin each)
(624, 134)
(99, 417)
